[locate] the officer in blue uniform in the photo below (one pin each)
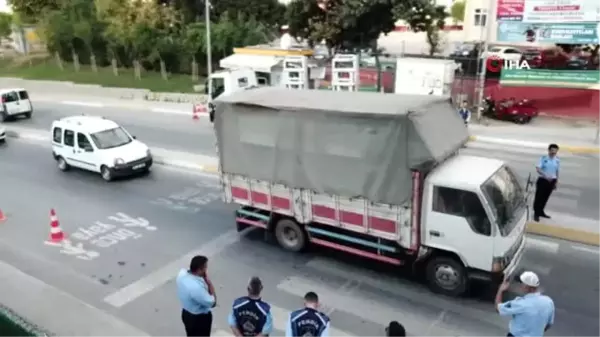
(308, 321)
(464, 112)
(249, 315)
(548, 171)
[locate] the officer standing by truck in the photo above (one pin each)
(250, 316)
(308, 321)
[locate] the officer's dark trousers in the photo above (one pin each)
(543, 189)
(196, 325)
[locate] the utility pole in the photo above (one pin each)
(208, 48)
(489, 19)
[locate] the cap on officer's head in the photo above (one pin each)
(530, 279)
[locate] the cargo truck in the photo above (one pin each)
(374, 175)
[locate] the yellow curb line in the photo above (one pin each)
(568, 148)
(210, 169)
(564, 233)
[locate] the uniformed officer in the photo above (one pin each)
(308, 321)
(250, 316)
(548, 171)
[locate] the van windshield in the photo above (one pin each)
(111, 138)
(506, 197)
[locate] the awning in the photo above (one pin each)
(263, 63)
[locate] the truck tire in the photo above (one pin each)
(446, 276)
(290, 235)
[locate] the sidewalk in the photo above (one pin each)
(574, 136)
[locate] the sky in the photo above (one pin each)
(3, 6)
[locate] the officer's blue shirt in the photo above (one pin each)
(307, 322)
(530, 314)
(549, 166)
(193, 293)
(251, 316)
(465, 114)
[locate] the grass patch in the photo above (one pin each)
(46, 69)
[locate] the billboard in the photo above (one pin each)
(567, 33)
(548, 11)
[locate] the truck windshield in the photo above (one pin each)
(218, 86)
(506, 197)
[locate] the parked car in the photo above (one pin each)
(505, 53)
(14, 103)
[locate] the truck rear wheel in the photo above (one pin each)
(446, 276)
(290, 235)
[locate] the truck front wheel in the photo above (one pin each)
(290, 235)
(446, 276)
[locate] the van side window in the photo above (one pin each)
(464, 204)
(57, 135)
(83, 142)
(69, 138)
(10, 97)
(23, 94)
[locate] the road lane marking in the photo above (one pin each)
(172, 111)
(88, 104)
(397, 287)
(161, 276)
(366, 308)
(548, 246)
(586, 249)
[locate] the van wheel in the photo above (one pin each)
(62, 164)
(446, 276)
(290, 235)
(3, 116)
(106, 173)
(28, 115)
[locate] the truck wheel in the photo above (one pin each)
(446, 276)
(290, 235)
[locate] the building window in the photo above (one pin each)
(480, 17)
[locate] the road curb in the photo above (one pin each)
(536, 145)
(564, 233)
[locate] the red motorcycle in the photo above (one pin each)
(517, 111)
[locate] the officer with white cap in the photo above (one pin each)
(532, 314)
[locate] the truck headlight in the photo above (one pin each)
(119, 161)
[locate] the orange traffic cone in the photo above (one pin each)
(56, 233)
(2, 216)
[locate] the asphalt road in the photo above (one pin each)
(130, 272)
(164, 130)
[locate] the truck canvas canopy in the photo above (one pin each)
(355, 144)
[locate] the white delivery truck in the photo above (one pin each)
(374, 175)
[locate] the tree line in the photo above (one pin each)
(170, 35)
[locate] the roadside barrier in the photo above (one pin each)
(11, 324)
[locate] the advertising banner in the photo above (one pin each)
(567, 33)
(582, 79)
(510, 10)
(560, 11)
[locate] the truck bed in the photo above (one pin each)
(390, 222)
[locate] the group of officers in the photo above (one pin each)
(249, 315)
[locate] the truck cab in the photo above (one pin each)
(229, 81)
(473, 215)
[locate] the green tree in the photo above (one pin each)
(348, 24)
(5, 26)
(429, 18)
(269, 13)
(457, 11)
(194, 45)
(33, 11)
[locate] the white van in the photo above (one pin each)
(14, 103)
(99, 145)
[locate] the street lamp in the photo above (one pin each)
(208, 48)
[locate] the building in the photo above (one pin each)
(478, 15)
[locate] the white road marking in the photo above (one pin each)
(548, 246)
(163, 275)
(33, 137)
(586, 249)
(368, 309)
(395, 287)
(173, 111)
(88, 104)
(222, 333)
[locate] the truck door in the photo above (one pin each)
(457, 221)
